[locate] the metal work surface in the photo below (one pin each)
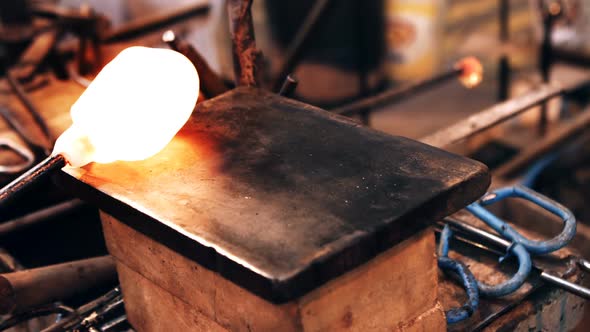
(278, 196)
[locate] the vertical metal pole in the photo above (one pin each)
(504, 63)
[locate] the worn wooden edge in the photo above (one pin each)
(309, 277)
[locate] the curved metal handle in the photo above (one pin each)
(445, 263)
(534, 247)
(511, 285)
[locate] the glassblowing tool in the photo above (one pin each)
(469, 71)
(131, 110)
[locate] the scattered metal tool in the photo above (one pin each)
(89, 309)
(510, 242)
(298, 46)
(36, 217)
(489, 117)
(29, 288)
(497, 241)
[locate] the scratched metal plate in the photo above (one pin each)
(278, 196)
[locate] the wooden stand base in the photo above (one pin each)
(165, 291)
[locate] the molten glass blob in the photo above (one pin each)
(472, 72)
(132, 109)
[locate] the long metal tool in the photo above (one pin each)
(491, 116)
(29, 288)
(39, 216)
(396, 93)
(499, 242)
(563, 134)
(300, 41)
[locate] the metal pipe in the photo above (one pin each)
(491, 116)
(39, 216)
(396, 94)
(211, 84)
(29, 288)
(26, 180)
(300, 41)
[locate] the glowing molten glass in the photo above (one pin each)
(471, 72)
(132, 109)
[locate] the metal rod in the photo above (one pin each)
(72, 320)
(29, 288)
(289, 86)
(211, 84)
(31, 108)
(26, 180)
(300, 41)
(491, 116)
(396, 94)
(504, 244)
(247, 58)
(561, 135)
(144, 25)
(52, 212)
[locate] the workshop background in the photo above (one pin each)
(501, 82)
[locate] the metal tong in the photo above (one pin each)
(512, 243)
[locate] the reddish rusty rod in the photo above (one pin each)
(29, 288)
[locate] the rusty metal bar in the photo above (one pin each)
(491, 116)
(39, 216)
(211, 84)
(29, 288)
(396, 94)
(148, 24)
(247, 58)
(300, 41)
(560, 135)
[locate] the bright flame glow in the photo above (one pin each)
(132, 109)
(472, 72)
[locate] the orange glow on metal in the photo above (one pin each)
(472, 72)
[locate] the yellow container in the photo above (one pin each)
(413, 38)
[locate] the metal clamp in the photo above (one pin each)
(470, 285)
(532, 246)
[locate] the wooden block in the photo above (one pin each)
(389, 292)
(171, 314)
